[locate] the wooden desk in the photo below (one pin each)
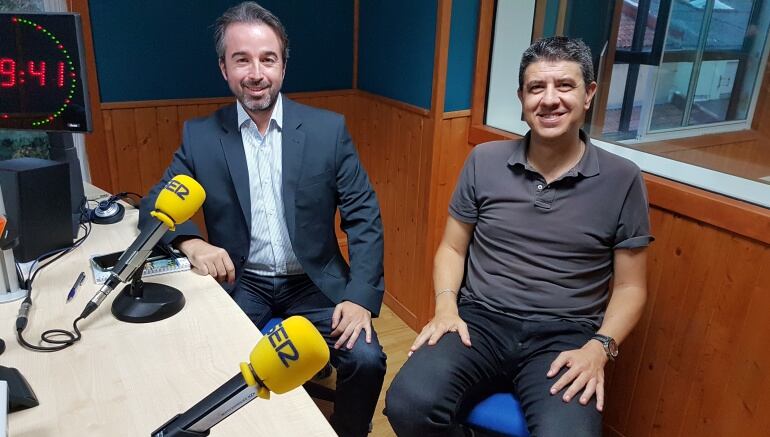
(126, 379)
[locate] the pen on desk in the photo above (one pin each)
(74, 289)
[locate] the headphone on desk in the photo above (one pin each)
(109, 211)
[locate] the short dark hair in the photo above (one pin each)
(559, 48)
(249, 12)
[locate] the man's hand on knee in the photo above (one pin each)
(347, 321)
(437, 327)
(585, 372)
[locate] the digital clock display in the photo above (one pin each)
(41, 73)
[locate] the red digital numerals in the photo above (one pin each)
(11, 75)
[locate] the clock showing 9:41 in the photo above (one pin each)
(41, 85)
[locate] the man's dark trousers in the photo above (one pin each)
(360, 371)
(426, 397)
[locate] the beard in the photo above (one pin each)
(257, 104)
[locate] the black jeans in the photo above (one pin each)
(427, 396)
(360, 371)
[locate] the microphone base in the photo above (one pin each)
(152, 302)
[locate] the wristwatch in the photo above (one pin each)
(609, 345)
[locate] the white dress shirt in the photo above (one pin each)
(270, 251)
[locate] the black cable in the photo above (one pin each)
(61, 338)
(130, 193)
(126, 196)
(50, 336)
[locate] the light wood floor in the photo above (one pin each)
(395, 338)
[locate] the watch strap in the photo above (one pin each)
(605, 340)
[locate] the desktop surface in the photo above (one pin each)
(128, 379)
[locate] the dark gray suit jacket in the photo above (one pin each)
(321, 172)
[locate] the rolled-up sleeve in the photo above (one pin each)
(464, 206)
(633, 229)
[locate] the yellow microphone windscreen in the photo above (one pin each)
(289, 355)
(180, 198)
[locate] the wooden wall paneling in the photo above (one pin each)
(167, 102)
(722, 212)
(207, 109)
(746, 396)
(389, 139)
(392, 207)
(306, 99)
(677, 368)
(380, 148)
(402, 175)
(109, 146)
(169, 133)
(621, 384)
(353, 118)
(455, 150)
(680, 258)
(407, 201)
(126, 152)
(751, 374)
(186, 112)
(718, 355)
(691, 261)
(610, 432)
(357, 124)
(423, 279)
(385, 143)
(148, 147)
(428, 170)
(415, 204)
(337, 104)
(375, 149)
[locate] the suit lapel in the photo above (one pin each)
(232, 146)
(293, 143)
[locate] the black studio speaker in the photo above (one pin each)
(36, 193)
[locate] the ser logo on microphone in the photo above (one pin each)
(282, 345)
(177, 188)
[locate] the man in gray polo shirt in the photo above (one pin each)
(538, 229)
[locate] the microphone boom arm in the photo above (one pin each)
(132, 259)
(201, 417)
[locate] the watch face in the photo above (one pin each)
(613, 348)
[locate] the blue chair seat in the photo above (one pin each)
(500, 414)
(270, 324)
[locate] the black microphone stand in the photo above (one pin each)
(141, 302)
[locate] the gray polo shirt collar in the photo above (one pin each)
(588, 165)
